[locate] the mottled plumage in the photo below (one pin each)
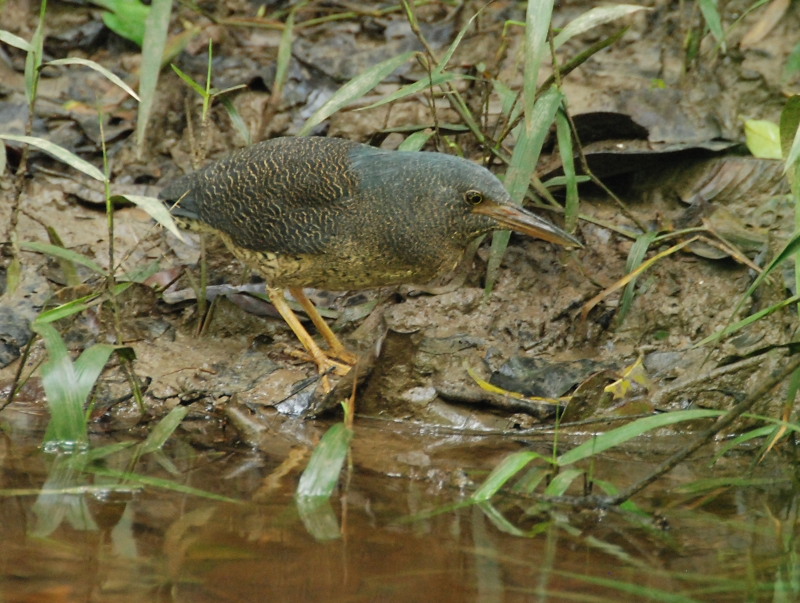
(334, 214)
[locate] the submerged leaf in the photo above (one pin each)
(322, 472)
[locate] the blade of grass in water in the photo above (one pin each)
(620, 435)
(165, 428)
(155, 39)
(562, 481)
(322, 472)
(505, 470)
(61, 385)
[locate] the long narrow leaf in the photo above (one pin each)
(190, 82)
(236, 119)
(592, 18)
(155, 39)
(12, 40)
(416, 141)
(34, 57)
(711, 15)
(564, 136)
(635, 257)
(156, 209)
(59, 153)
(164, 429)
(284, 56)
(415, 88)
(322, 472)
(505, 470)
(746, 321)
(523, 162)
(60, 252)
(562, 481)
(620, 435)
(354, 89)
(114, 79)
(537, 24)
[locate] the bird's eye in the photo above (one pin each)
(473, 197)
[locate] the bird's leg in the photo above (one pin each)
(320, 359)
(337, 349)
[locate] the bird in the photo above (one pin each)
(333, 214)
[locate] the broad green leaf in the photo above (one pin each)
(165, 428)
(711, 15)
(592, 18)
(416, 141)
(126, 18)
(763, 139)
(620, 435)
(59, 153)
(155, 208)
(635, 257)
(537, 24)
(60, 252)
(562, 481)
(89, 366)
(322, 472)
(318, 518)
(354, 89)
(15, 41)
(114, 79)
(154, 41)
(505, 470)
(60, 382)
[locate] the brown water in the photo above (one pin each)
(156, 544)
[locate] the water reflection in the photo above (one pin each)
(73, 535)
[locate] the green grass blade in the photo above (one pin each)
(592, 18)
(415, 88)
(155, 482)
(59, 153)
(643, 593)
(416, 141)
(8, 38)
(284, 56)
(155, 208)
(537, 24)
(562, 481)
(564, 135)
(60, 382)
(745, 437)
(354, 89)
(34, 57)
(154, 41)
(322, 472)
(452, 48)
(790, 131)
(164, 429)
(635, 257)
(114, 79)
(620, 435)
(518, 177)
(60, 252)
(746, 321)
(499, 521)
(711, 15)
(89, 366)
(190, 82)
(505, 470)
(733, 481)
(236, 119)
(610, 489)
(792, 64)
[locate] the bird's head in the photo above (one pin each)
(478, 203)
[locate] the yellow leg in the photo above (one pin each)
(337, 349)
(320, 359)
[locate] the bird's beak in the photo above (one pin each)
(514, 217)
